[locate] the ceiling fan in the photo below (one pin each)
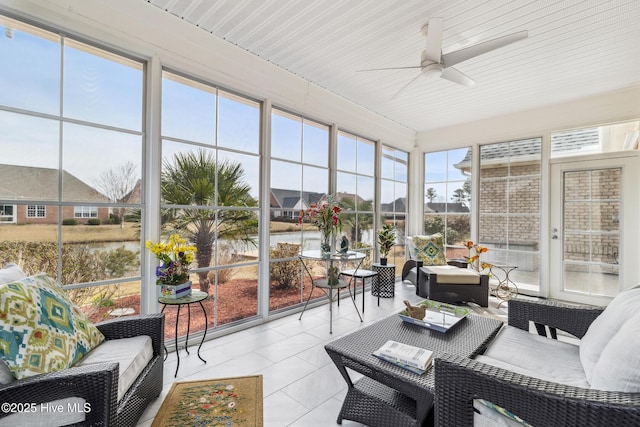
(434, 63)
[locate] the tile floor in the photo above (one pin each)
(301, 385)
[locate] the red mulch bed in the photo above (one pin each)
(238, 299)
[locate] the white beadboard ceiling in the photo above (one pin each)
(575, 49)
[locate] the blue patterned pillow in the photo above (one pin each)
(41, 330)
(429, 249)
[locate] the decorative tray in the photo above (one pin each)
(438, 316)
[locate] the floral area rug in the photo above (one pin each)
(229, 402)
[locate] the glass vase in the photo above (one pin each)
(325, 246)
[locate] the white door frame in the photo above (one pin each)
(628, 258)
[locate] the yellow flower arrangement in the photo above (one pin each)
(176, 257)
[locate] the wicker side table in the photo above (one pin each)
(384, 284)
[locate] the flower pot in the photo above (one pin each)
(175, 291)
(383, 261)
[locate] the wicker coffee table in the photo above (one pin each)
(388, 395)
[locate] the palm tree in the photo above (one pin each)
(364, 222)
(190, 179)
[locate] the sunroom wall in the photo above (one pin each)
(612, 107)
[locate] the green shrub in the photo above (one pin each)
(285, 274)
(70, 221)
(102, 301)
(94, 221)
(80, 263)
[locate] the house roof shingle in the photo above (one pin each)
(34, 183)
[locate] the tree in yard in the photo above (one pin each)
(431, 194)
(356, 224)
(118, 184)
(459, 196)
(195, 178)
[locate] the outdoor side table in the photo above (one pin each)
(384, 284)
(195, 297)
(506, 288)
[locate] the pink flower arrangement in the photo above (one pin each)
(324, 215)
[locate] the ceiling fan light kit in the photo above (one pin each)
(434, 64)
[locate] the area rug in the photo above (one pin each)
(229, 402)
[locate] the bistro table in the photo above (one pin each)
(328, 289)
(195, 297)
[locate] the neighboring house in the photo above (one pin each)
(398, 205)
(438, 207)
(524, 157)
(289, 203)
(39, 187)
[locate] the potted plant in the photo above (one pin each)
(173, 274)
(386, 239)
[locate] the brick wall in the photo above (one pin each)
(519, 195)
(51, 215)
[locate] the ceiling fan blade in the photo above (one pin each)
(455, 57)
(456, 76)
(391, 68)
(433, 49)
(395, 95)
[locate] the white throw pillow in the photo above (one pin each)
(10, 273)
(625, 305)
(618, 368)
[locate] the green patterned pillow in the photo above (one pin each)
(41, 330)
(429, 249)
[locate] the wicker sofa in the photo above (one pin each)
(594, 383)
(110, 386)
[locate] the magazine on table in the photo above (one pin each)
(414, 359)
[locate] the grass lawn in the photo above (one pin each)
(70, 233)
(96, 233)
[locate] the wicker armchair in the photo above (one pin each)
(460, 380)
(98, 384)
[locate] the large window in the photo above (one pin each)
(7, 213)
(70, 115)
(299, 178)
(393, 194)
(210, 192)
(85, 212)
(356, 189)
(447, 193)
(510, 207)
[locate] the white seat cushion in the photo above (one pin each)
(536, 356)
(618, 368)
(10, 273)
(132, 354)
(5, 374)
(452, 275)
(625, 305)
